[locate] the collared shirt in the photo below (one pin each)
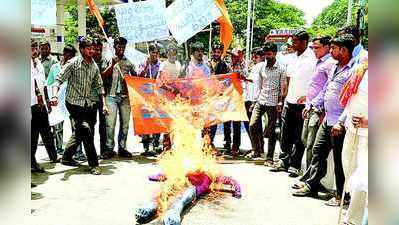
(252, 89)
(197, 70)
(300, 71)
(218, 67)
(319, 79)
(84, 82)
(332, 91)
(38, 80)
(47, 63)
(271, 80)
(152, 72)
(117, 84)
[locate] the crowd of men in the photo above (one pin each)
(313, 97)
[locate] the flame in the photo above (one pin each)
(190, 152)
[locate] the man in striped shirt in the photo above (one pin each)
(272, 82)
(83, 90)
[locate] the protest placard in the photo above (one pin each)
(142, 21)
(43, 12)
(187, 17)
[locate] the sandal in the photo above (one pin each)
(334, 202)
(298, 185)
(95, 170)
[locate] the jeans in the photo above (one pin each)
(291, 136)
(117, 105)
(321, 149)
(255, 127)
(84, 120)
(40, 125)
(310, 126)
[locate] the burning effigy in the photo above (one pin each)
(190, 169)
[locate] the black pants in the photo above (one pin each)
(84, 119)
(102, 126)
(148, 139)
(236, 134)
(291, 136)
(40, 125)
(318, 167)
(255, 127)
(249, 114)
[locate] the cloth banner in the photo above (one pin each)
(142, 21)
(43, 12)
(187, 17)
(216, 99)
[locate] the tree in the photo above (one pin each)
(269, 14)
(332, 18)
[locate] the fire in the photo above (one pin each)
(190, 153)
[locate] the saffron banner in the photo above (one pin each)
(214, 100)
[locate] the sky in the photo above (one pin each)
(311, 8)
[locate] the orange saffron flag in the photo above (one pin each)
(226, 27)
(212, 100)
(94, 10)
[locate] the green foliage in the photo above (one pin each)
(110, 27)
(71, 24)
(333, 18)
(269, 14)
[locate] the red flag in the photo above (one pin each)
(94, 10)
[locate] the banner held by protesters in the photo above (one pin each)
(214, 100)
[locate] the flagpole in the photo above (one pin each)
(252, 27)
(210, 41)
(247, 53)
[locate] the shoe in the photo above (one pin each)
(32, 185)
(70, 162)
(95, 170)
(334, 202)
(294, 172)
(80, 157)
(158, 150)
(37, 169)
(304, 192)
(268, 163)
(57, 160)
(108, 155)
(278, 166)
(124, 153)
(148, 153)
(235, 152)
(298, 185)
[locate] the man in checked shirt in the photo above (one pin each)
(83, 90)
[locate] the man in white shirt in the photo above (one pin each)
(39, 122)
(299, 73)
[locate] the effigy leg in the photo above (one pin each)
(230, 181)
(172, 216)
(146, 212)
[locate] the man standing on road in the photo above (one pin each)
(117, 99)
(272, 84)
(299, 73)
(83, 90)
(313, 116)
